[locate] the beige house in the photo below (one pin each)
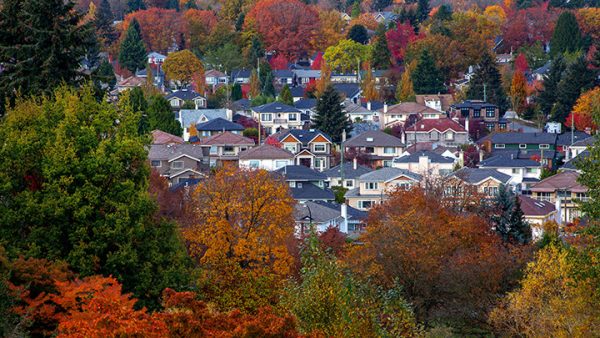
(425, 163)
(266, 156)
(374, 187)
(276, 116)
(400, 113)
(536, 213)
(486, 182)
(378, 148)
(564, 192)
(226, 147)
(311, 148)
(179, 162)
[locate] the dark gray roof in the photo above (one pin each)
(375, 105)
(374, 138)
(526, 154)
(347, 89)
(303, 136)
(166, 152)
(300, 173)
(571, 165)
(297, 91)
(349, 171)
(283, 73)
(240, 73)
(527, 138)
(414, 157)
(474, 104)
(361, 127)
(476, 175)
(184, 94)
(322, 211)
(565, 138)
(503, 161)
(309, 191)
(275, 107)
(305, 103)
(243, 104)
(585, 142)
(388, 173)
(219, 124)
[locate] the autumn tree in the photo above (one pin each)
(587, 105)
(381, 56)
(398, 40)
(329, 117)
(287, 27)
(370, 92)
(426, 77)
(132, 52)
(161, 28)
(449, 264)
(404, 90)
(526, 26)
(590, 169)
(242, 220)
(487, 80)
(325, 80)
(521, 64)
(200, 24)
(346, 56)
(182, 66)
(254, 85)
(518, 92)
(330, 30)
(576, 79)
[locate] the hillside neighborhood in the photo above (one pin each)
(287, 168)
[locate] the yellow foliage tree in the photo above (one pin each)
(496, 13)
(254, 90)
(587, 105)
(331, 29)
(347, 55)
(404, 90)
(552, 300)
(325, 80)
(518, 92)
(370, 92)
(183, 67)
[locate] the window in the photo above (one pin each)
(490, 191)
(499, 146)
(205, 133)
(266, 117)
(254, 164)
(404, 186)
(387, 163)
(522, 146)
(291, 147)
(531, 170)
(292, 184)
(177, 165)
(213, 150)
(371, 185)
(292, 117)
(476, 113)
(319, 148)
(464, 112)
(582, 196)
(155, 163)
(543, 196)
(319, 163)
(228, 150)
(174, 103)
(490, 112)
(544, 146)
(365, 204)
(349, 184)
(516, 171)
(489, 126)
(369, 150)
(433, 135)
(279, 164)
(389, 150)
(449, 135)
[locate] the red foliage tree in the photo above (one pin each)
(273, 141)
(526, 26)
(399, 38)
(333, 239)
(286, 26)
(582, 122)
(170, 203)
(279, 62)
(521, 64)
(161, 28)
(317, 62)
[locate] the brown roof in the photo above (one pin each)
(374, 138)
(533, 207)
(160, 137)
(441, 125)
(265, 152)
(566, 180)
(132, 81)
(227, 138)
(410, 108)
(446, 99)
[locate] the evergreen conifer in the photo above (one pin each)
(330, 118)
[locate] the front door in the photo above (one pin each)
(305, 162)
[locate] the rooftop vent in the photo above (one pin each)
(369, 139)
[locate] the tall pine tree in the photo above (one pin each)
(508, 217)
(285, 96)
(160, 116)
(488, 78)
(576, 79)
(104, 24)
(566, 37)
(135, 5)
(132, 54)
(42, 45)
(423, 10)
(330, 118)
(358, 33)
(380, 57)
(547, 97)
(427, 78)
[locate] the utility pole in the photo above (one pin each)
(484, 92)
(342, 157)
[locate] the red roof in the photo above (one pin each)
(566, 180)
(533, 207)
(160, 137)
(441, 125)
(227, 138)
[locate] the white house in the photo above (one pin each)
(266, 156)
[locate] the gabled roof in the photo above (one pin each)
(227, 138)
(304, 136)
(387, 174)
(348, 90)
(578, 136)
(240, 73)
(526, 138)
(189, 116)
(322, 211)
(446, 100)
(350, 107)
(300, 173)
(167, 152)
(309, 73)
(407, 108)
(266, 152)
(297, 91)
(214, 73)
(503, 161)
(184, 94)
(349, 171)
(533, 207)
(414, 157)
(132, 81)
(283, 73)
(305, 103)
(374, 138)
(219, 124)
(563, 180)
(156, 55)
(275, 107)
(242, 104)
(572, 164)
(478, 175)
(585, 142)
(309, 191)
(160, 137)
(473, 104)
(441, 125)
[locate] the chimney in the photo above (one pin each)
(381, 116)
(355, 164)
(385, 107)
(403, 136)
(369, 105)
(557, 206)
(467, 125)
(344, 214)
(424, 163)
(461, 158)
(480, 155)
(229, 114)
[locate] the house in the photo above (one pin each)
(357, 112)
(540, 146)
(216, 126)
(439, 102)
(311, 148)
(155, 58)
(350, 91)
(425, 163)
(344, 16)
(160, 137)
(564, 192)
(283, 76)
(400, 113)
(344, 78)
(306, 106)
(266, 156)
(539, 74)
(503, 59)
(378, 148)
(226, 147)
(480, 111)
(306, 184)
(374, 187)
(573, 163)
(385, 17)
(306, 76)
(297, 92)
(536, 213)
(565, 140)
(241, 76)
(443, 131)
(215, 78)
(188, 118)
(179, 162)
(351, 172)
(324, 215)
(579, 147)
(276, 116)
(525, 172)
(178, 99)
(130, 83)
(486, 182)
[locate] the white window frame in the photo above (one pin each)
(266, 117)
(174, 164)
(156, 166)
(385, 150)
(254, 164)
(522, 146)
(293, 117)
(544, 146)
(371, 185)
(499, 146)
(316, 150)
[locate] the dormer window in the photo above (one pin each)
(369, 139)
(544, 146)
(522, 146)
(499, 146)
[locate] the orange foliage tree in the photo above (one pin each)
(331, 30)
(161, 28)
(518, 92)
(200, 24)
(242, 221)
(286, 26)
(450, 264)
(585, 108)
(365, 19)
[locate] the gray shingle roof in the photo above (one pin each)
(502, 161)
(585, 142)
(377, 139)
(571, 165)
(275, 107)
(303, 136)
(305, 103)
(266, 152)
(322, 211)
(219, 124)
(527, 138)
(565, 138)
(189, 116)
(388, 173)
(414, 157)
(349, 171)
(310, 191)
(475, 104)
(348, 90)
(300, 173)
(185, 95)
(476, 175)
(166, 152)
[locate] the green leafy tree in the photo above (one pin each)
(286, 96)
(355, 9)
(508, 217)
(42, 44)
(547, 97)
(423, 10)
(330, 118)
(590, 173)
(487, 78)
(135, 5)
(226, 58)
(358, 33)
(566, 36)
(139, 104)
(380, 54)
(427, 78)
(132, 52)
(78, 192)
(576, 79)
(255, 52)
(160, 116)
(104, 23)
(104, 76)
(236, 92)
